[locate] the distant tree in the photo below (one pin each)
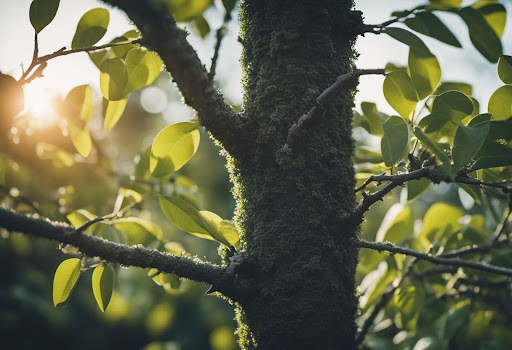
(301, 185)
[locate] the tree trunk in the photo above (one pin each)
(291, 198)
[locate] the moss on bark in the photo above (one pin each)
(300, 260)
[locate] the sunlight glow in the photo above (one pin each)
(39, 105)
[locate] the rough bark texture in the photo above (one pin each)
(291, 200)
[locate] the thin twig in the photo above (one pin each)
(389, 247)
(341, 81)
(34, 59)
(41, 61)
(32, 204)
(377, 28)
(220, 35)
(120, 213)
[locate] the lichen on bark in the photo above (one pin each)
(301, 261)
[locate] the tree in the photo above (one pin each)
(289, 261)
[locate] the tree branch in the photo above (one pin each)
(161, 34)
(220, 35)
(137, 255)
(342, 81)
(440, 260)
(432, 173)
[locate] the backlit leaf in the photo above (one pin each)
(81, 139)
(494, 13)
(400, 93)
(185, 10)
(441, 219)
(397, 224)
(113, 79)
(425, 72)
(65, 279)
(467, 142)
(78, 106)
(143, 67)
(500, 103)
(91, 28)
(103, 285)
(112, 112)
(173, 147)
(139, 231)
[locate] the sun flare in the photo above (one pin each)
(39, 105)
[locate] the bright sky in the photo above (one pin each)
(375, 50)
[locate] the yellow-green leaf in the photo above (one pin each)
(505, 69)
(112, 112)
(395, 141)
(81, 139)
(113, 79)
(500, 103)
(425, 72)
(103, 285)
(143, 67)
(78, 106)
(173, 147)
(91, 28)
(185, 10)
(139, 231)
(400, 93)
(65, 279)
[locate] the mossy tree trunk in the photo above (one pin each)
(291, 199)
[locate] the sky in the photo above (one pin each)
(375, 51)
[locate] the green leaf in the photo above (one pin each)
(481, 34)
(91, 28)
(505, 69)
(500, 103)
(185, 10)
(429, 24)
(103, 285)
(173, 147)
(97, 57)
(122, 50)
(457, 86)
(224, 232)
(466, 144)
(397, 225)
(480, 118)
(65, 279)
(425, 72)
(139, 231)
(112, 112)
(395, 140)
(409, 300)
(59, 157)
(494, 13)
(400, 93)
(409, 39)
(417, 187)
(375, 118)
(492, 162)
(229, 5)
(12, 100)
(42, 12)
(441, 219)
(113, 79)
(444, 4)
(81, 139)
(79, 217)
(78, 106)
(187, 218)
(143, 67)
(201, 26)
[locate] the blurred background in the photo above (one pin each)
(143, 314)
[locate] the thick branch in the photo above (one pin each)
(386, 246)
(138, 256)
(161, 34)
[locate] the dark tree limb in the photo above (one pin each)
(138, 256)
(341, 81)
(161, 34)
(220, 35)
(439, 260)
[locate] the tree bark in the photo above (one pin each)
(291, 198)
